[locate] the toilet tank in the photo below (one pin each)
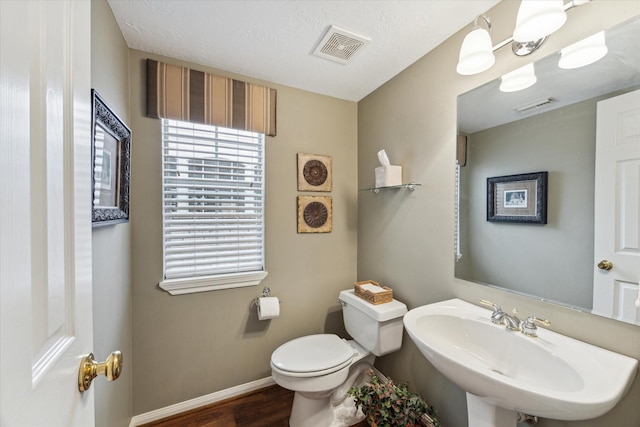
(377, 328)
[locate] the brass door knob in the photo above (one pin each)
(89, 369)
(605, 265)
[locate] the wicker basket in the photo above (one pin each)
(373, 297)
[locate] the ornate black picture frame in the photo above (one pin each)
(110, 163)
(518, 198)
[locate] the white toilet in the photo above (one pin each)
(320, 369)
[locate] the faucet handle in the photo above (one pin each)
(495, 307)
(529, 327)
(497, 316)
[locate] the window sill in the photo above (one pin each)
(212, 283)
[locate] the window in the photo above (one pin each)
(213, 207)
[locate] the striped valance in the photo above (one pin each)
(181, 93)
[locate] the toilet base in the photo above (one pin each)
(310, 411)
(331, 408)
(315, 412)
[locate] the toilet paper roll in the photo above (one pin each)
(268, 308)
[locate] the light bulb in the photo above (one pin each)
(476, 53)
(538, 18)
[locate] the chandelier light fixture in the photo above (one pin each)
(535, 22)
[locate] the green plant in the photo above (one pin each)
(386, 404)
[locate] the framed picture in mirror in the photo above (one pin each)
(518, 198)
(111, 164)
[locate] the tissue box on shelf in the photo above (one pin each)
(388, 176)
(373, 292)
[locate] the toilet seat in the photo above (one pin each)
(312, 355)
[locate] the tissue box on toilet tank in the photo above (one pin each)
(388, 176)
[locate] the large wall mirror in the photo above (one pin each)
(549, 127)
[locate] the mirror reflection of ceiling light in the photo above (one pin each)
(519, 79)
(476, 52)
(584, 52)
(535, 21)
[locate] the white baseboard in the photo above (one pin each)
(208, 399)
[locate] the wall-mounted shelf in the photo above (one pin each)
(411, 186)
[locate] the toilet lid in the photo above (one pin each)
(312, 353)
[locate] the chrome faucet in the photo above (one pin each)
(529, 327)
(512, 322)
(499, 317)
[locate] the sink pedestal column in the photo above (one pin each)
(484, 414)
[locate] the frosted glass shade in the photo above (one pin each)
(476, 53)
(519, 79)
(538, 18)
(584, 52)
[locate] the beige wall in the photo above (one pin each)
(112, 296)
(406, 239)
(191, 345)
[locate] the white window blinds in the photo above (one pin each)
(213, 200)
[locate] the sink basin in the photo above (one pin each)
(505, 372)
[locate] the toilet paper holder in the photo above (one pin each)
(266, 292)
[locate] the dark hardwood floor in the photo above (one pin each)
(268, 407)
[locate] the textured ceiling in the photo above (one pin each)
(274, 40)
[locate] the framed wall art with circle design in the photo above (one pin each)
(315, 214)
(314, 172)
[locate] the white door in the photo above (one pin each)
(617, 208)
(45, 219)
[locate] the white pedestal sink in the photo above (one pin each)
(505, 372)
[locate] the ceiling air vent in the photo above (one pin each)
(340, 45)
(536, 105)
